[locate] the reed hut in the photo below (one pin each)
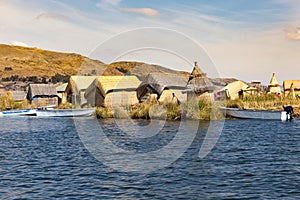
(165, 87)
(291, 88)
(108, 91)
(18, 95)
(76, 88)
(233, 90)
(42, 95)
(198, 84)
(274, 86)
(61, 92)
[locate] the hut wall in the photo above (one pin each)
(274, 89)
(95, 97)
(62, 96)
(167, 96)
(45, 101)
(120, 98)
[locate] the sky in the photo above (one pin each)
(247, 40)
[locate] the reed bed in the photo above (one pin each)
(266, 102)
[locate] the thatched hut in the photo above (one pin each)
(291, 88)
(165, 87)
(42, 95)
(198, 84)
(108, 91)
(274, 86)
(18, 95)
(76, 88)
(233, 90)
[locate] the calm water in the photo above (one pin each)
(45, 159)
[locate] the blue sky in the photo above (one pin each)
(245, 39)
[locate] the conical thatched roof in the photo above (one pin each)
(198, 82)
(197, 72)
(274, 86)
(273, 81)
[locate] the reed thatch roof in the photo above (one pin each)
(108, 84)
(157, 82)
(273, 81)
(79, 83)
(198, 82)
(40, 90)
(287, 84)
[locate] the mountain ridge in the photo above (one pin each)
(30, 61)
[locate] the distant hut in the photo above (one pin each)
(108, 91)
(61, 92)
(274, 86)
(291, 88)
(198, 85)
(249, 91)
(76, 88)
(3, 90)
(165, 87)
(18, 95)
(233, 90)
(42, 95)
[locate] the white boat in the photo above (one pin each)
(256, 114)
(65, 112)
(25, 112)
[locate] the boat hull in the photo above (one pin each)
(12, 113)
(65, 112)
(256, 114)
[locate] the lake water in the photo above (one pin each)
(47, 159)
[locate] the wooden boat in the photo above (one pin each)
(65, 112)
(25, 112)
(256, 114)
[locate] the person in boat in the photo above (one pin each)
(289, 111)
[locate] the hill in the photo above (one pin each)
(25, 62)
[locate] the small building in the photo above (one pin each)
(18, 95)
(42, 95)
(61, 92)
(198, 84)
(76, 88)
(274, 86)
(291, 88)
(108, 91)
(165, 87)
(249, 91)
(233, 90)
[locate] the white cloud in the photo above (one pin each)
(293, 33)
(145, 11)
(51, 16)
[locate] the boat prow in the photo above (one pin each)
(13, 113)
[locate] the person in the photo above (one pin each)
(289, 111)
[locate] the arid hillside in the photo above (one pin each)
(25, 62)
